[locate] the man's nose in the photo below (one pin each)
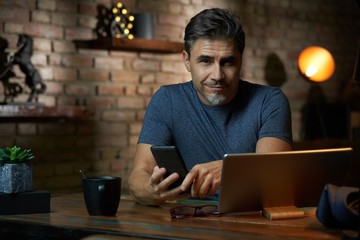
(217, 72)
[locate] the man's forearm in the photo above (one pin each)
(141, 191)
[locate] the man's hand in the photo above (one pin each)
(161, 185)
(205, 179)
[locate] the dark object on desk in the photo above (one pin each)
(24, 203)
(102, 195)
(22, 58)
(338, 207)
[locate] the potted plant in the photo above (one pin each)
(15, 170)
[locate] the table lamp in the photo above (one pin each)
(316, 64)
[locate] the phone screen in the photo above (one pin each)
(169, 158)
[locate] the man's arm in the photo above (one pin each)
(146, 182)
(271, 144)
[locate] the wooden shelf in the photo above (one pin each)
(137, 44)
(31, 112)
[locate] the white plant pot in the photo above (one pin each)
(16, 177)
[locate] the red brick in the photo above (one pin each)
(46, 73)
(146, 65)
(63, 19)
(117, 165)
(109, 63)
(112, 90)
(42, 44)
(43, 30)
(7, 128)
(173, 67)
(87, 22)
(116, 116)
(54, 88)
(39, 59)
(172, 19)
(1, 27)
(169, 32)
(63, 169)
(88, 8)
(175, 8)
(112, 128)
(109, 153)
(47, 100)
(26, 129)
(135, 128)
(14, 14)
(125, 76)
(145, 90)
(47, 4)
(63, 47)
(111, 141)
(130, 102)
(56, 129)
(14, 28)
(131, 90)
(64, 74)
(66, 6)
(101, 102)
(40, 16)
(55, 59)
(78, 34)
(153, 6)
(76, 61)
(148, 78)
(141, 113)
(77, 89)
(94, 75)
(165, 78)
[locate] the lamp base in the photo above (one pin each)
(325, 121)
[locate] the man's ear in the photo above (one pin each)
(186, 59)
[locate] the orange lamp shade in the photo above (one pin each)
(316, 64)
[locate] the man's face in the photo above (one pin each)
(215, 69)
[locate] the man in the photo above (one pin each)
(214, 114)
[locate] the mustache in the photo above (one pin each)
(215, 83)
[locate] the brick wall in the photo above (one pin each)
(119, 84)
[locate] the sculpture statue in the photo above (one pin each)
(11, 89)
(22, 58)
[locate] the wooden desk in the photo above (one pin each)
(69, 219)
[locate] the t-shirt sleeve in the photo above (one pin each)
(276, 117)
(156, 128)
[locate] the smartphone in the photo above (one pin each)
(169, 158)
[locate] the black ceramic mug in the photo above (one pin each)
(102, 195)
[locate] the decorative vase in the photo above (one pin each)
(16, 177)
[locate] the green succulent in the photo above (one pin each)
(15, 155)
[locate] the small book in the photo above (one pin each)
(286, 212)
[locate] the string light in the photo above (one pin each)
(122, 22)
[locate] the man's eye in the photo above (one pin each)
(205, 60)
(228, 63)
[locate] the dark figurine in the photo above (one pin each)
(11, 90)
(22, 58)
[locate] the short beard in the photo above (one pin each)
(216, 100)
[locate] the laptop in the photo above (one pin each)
(254, 181)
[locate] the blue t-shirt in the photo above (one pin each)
(202, 133)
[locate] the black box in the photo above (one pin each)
(25, 202)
